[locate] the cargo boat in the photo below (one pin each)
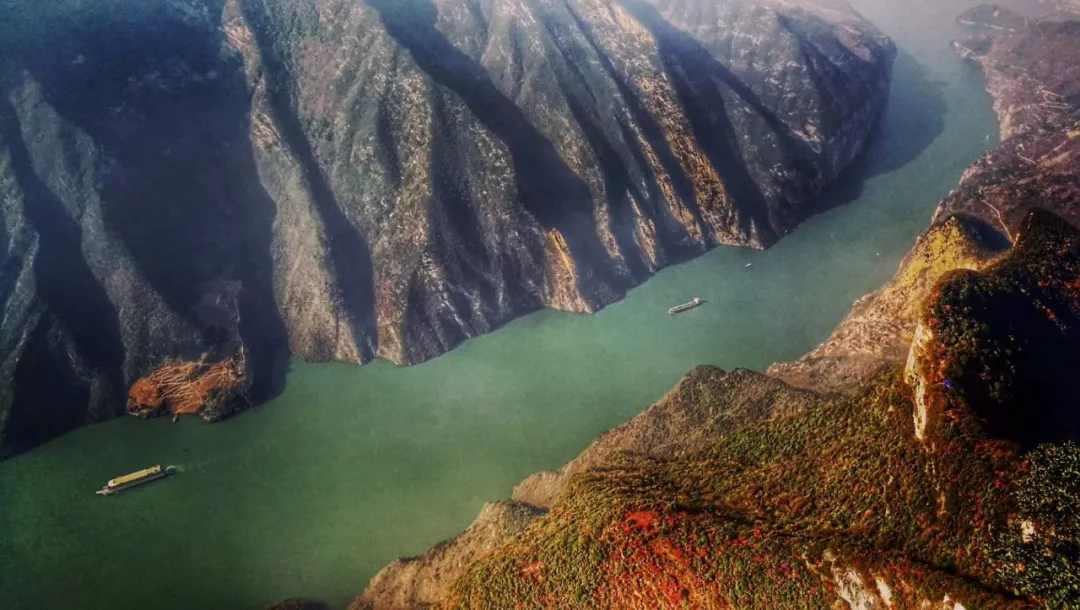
(685, 306)
(136, 478)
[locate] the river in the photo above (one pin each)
(350, 467)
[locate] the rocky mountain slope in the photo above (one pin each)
(924, 456)
(231, 181)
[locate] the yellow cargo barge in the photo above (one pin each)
(135, 479)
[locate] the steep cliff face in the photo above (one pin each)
(344, 180)
(505, 156)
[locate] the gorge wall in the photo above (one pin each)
(240, 180)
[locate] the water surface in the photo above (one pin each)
(309, 495)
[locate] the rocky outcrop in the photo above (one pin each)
(861, 587)
(345, 180)
(1003, 342)
(918, 375)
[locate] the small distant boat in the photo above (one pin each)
(136, 478)
(686, 306)
(748, 265)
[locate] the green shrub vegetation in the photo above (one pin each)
(1045, 561)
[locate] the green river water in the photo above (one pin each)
(351, 467)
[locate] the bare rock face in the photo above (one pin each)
(926, 385)
(343, 180)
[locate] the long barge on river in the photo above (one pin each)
(697, 302)
(136, 478)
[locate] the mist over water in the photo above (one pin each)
(351, 467)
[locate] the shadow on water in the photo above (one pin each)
(76, 302)
(167, 107)
(913, 120)
(546, 187)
